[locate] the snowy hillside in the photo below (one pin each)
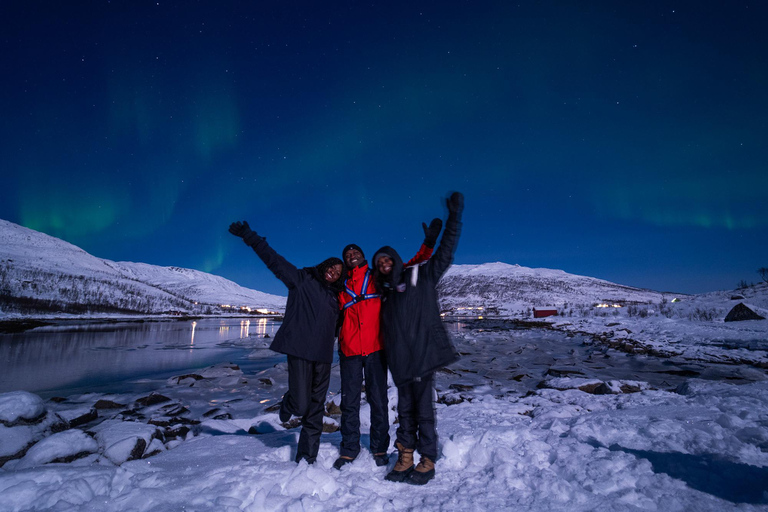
(513, 289)
(40, 274)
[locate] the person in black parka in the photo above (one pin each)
(417, 344)
(306, 336)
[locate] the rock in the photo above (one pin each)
(740, 312)
(600, 388)
(292, 423)
(77, 417)
(272, 408)
(57, 423)
(167, 421)
(186, 380)
(562, 373)
(152, 399)
(263, 427)
(21, 408)
(267, 381)
(174, 410)
(630, 388)
(450, 399)
(155, 447)
(332, 409)
(16, 442)
(61, 447)
(107, 404)
(330, 426)
(122, 441)
(462, 387)
(221, 370)
(160, 422)
(179, 431)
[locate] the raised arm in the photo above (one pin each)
(431, 233)
(443, 256)
(283, 270)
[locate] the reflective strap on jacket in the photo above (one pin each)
(415, 275)
(364, 296)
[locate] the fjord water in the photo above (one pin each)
(120, 357)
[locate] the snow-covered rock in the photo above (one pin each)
(20, 407)
(121, 441)
(15, 442)
(60, 447)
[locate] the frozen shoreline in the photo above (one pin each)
(530, 419)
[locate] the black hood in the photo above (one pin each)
(318, 272)
(397, 268)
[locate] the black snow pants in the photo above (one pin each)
(307, 387)
(352, 368)
(416, 412)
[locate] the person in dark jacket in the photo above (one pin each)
(417, 345)
(306, 336)
(360, 352)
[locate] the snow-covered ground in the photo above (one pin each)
(529, 419)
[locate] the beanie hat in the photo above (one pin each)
(352, 246)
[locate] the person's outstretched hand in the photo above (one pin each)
(244, 231)
(239, 228)
(431, 232)
(455, 204)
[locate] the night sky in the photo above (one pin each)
(619, 140)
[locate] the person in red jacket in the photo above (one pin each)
(360, 352)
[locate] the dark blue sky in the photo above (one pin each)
(620, 140)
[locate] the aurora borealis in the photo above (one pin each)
(625, 141)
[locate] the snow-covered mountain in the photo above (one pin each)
(40, 274)
(512, 288)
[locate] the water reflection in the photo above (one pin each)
(67, 356)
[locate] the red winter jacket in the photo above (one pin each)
(360, 334)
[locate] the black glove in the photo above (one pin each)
(455, 204)
(244, 231)
(431, 232)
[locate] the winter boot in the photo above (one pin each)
(382, 459)
(341, 461)
(284, 414)
(404, 465)
(424, 472)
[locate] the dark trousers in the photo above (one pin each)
(307, 386)
(352, 368)
(416, 412)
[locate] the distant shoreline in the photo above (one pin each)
(19, 325)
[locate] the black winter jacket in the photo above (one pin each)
(309, 326)
(415, 340)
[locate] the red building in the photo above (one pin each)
(544, 311)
